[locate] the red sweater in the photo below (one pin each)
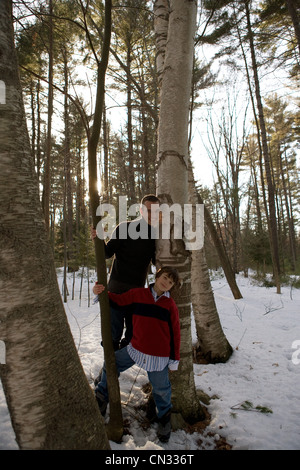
(156, 329)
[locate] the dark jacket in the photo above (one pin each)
(132, 256)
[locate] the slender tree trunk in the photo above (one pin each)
(145, 152)
(172, 184)
(292, 245)
(33, 126)
(50, 401)
(293, 234)
(256, 192)
(105, 188)
(131, 171)
(65, 289)
(291, 4)
(271, 193)
(47, 176)
(68, 176)
(115, 427)
(38, 138)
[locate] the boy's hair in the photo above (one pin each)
(172, 273)
(151, 198)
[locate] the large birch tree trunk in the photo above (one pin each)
(172, 184)
(50, 401)
(211, 340)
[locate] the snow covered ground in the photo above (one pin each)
(256, 398)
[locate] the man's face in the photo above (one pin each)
(150, 212)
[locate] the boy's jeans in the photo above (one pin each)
(161, 387)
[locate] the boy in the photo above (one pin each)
(155, 341)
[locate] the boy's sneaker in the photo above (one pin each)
(164, 427)
(102, 403)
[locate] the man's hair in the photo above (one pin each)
(172, 273)
(151, 198)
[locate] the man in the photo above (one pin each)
(132, 257)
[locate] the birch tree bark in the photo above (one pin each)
(161, 24)
(172, 184)
(50, 401)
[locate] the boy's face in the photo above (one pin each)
(164, 282)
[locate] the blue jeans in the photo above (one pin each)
(161, 386)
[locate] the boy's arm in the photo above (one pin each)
(121, 300)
